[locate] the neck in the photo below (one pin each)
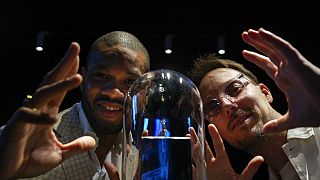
(105, 144)
(272, 152)
(271, 147)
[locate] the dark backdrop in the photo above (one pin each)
(194, 24)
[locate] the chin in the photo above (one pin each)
(110, 121)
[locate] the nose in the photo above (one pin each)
(112, 90)
(228, 105)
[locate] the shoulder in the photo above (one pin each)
(68, 126)
(68, 114)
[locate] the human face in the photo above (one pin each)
(244, 106)
(109, 75)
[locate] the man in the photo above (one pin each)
(114, 61)
(239, 107)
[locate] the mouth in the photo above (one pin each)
(239, 121)
(108, 109)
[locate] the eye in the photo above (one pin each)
(100, 76)
(234, 88)
(129, 81)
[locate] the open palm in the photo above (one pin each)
(295, 76)
(28, 144)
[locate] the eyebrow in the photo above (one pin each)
(231, 80)
(209, 98)
(135, 72)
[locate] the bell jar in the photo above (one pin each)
(161, 109)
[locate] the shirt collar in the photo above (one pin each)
(88, 130)
(86, 127)
(301, 132)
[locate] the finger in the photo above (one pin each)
(262, 62)
(252, 168)
(26, 123)
(195, 172)
(68, 65)
(209, 155)
(195, 144)
(280, 45)
(75, 66)
(47, 93)
(112, 171)
(193, 134)
(217, 142)
(145, 133)
(278, 125)
(32, 116)
(78, 146)
(73, 70)
(253, 38)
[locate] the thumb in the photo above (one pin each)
(278, 125)
(112, 171)
(252, 168)
(78, 146)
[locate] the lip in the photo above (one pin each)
(108, 109)
(239, 121)
(108, 104)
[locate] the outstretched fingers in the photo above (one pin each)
(32, 116)
(281, 46)
(47, 94)
(217, 142)
(252, 168)
(195, 145)
(278, 125)
(261, 61)
(254, 39)
(68, 65)
(78, 146)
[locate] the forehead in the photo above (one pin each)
(216, 79)
(110, 57)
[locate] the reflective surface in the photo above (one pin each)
(160, 107)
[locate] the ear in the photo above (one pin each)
(83, 74)
(264, 89)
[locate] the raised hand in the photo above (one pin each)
(293, 74)
(218, 166)
(28, 145)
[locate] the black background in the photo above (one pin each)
(194, 24)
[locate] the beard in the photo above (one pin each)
(98, 125)
(257, 138)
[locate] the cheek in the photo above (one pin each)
(257, 100)
(249, 100)
(222, 127)
(90, 91)
(257, 104)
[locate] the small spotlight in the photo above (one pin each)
(168, 43)
(39, 48)
(40, 41)
(221, 51)
(221, 44)
(168, 51)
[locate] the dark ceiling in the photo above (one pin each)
(194, 24)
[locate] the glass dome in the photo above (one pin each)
(159, 109)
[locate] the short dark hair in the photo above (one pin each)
(208, 62)
(124, 39)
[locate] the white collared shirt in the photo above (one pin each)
(303, 152)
